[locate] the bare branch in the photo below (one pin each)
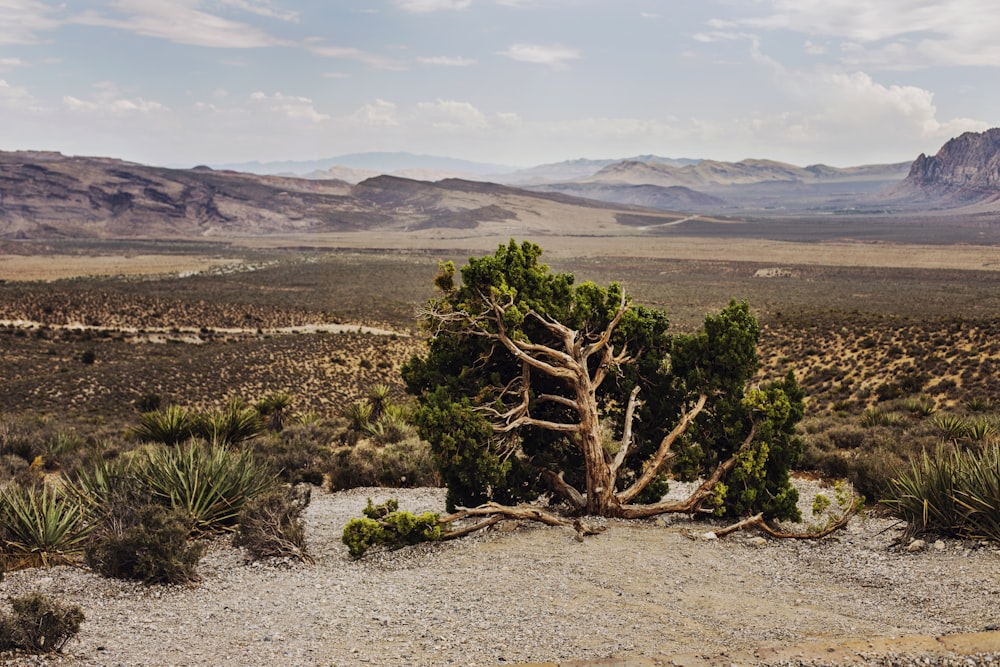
(555, 480)
(626, 443)
(757, 521)
(698, 496)
(663, 453)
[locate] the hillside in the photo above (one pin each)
(965, 171)
(48, 195)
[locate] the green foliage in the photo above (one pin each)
(386, 525)
(146, 542)
(230, 426)
(271, 525)
(273, 409)
(39, 527)
(169, 426)
(208, 484)
(39, 624)
(950, 492)
(468, 375)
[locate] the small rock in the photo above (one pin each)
(757, 541)
(939, 545)
(709, 536)
(916, 545)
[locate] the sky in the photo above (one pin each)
(510, 82)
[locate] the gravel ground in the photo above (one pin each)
(528, 593)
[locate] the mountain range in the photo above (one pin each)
(49, 195)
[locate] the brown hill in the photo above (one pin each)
(49, 195)
(966, 171)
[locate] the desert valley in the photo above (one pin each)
(127, 289)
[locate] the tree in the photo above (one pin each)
(533, 384)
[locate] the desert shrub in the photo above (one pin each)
(207, 483)
(951, 427)
(38, 624)
(978, 404)
(232, 425)
(922, 406)
(271, 524)
(385, 525)
(274, 410)
(39, 526)
(147, 542)
(298, 454)
(407, 463)
(169, 426)
(954, 492)
(11, 465)
(871, 472)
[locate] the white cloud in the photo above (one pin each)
(291, 106)
(17, 97)
(180, 21)
(448, 61)
(896, 34)
(378, 114)
(449, 114)
(556, 56)
(420, 6)
(350, 53)
(815, 49)
(10, 63)
(262, 9)
(22, 20)
(107, 98)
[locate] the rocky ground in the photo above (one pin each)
(526, 593)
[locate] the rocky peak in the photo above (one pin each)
(968, 162)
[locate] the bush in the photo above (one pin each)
(39, 624)
(298, 454)
(39, 526)
(170, 426)
(408, 463)
(232, 425)
(953, 493)
(145, 542)
(271, 525)
(385, 525)
(208, 484)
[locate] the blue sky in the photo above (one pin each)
(517, 82)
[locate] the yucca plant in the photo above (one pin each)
(923, 406)
(925, 497)
(980, 429)
(274, 408)
(979, 494)
(876, 417)
(234, 424)
(39, 527)
(978, 404)
(952, 427)
(359, 415)
(209, 483)
(170, 426)
(379, 396)
(93, 486)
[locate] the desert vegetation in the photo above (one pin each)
(121, 390)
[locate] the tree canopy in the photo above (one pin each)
(535, 385)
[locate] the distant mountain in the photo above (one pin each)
(965, 171)
(378, 163)
(711, 173)
(580, 169)
(48, 195)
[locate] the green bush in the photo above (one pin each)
(299, 453)
(954, 493)
(385, 525)
(169, 426)
(39, 526)
(145, 542)
(232, 425)
(271, 525)
(38, 624)
(208, 484)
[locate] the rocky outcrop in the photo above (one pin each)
(965, 171)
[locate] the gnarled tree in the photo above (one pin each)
(533, 384)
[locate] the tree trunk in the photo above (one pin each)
(601, 499)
